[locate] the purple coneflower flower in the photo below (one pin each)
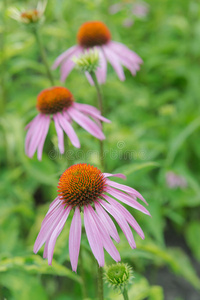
(58, 103)
(84, 188)
(174, 181)
(96, 34)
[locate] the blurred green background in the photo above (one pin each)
(154, 136)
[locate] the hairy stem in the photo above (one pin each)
(3, 96)
(43, 54)
(125, 294)
(100, 283)
(82, 271)
(100, 106)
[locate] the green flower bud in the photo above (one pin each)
(119, 276)
(88, 62)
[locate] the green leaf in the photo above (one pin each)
(177, 260)
(129, 169)
(192, 235)
(34, 264)
(140, 290)
(23, 286)
(181, 138)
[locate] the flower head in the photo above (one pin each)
(29, 16)
(96, 34)
(83, 188)
(88, 61)
(174, 181)
(58, 104)
(118, 276)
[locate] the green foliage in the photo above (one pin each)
(154, 130)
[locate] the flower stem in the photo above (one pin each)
(100, 106)
(3, 91)
(100, 283)
(125, 294)
(43, 54)
(82, 271)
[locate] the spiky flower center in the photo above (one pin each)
(53, 100)
(118, 275)
(93, 33)
(81, 184)
(30, 15)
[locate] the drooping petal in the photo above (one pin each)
(93, 236)
(67, 127)
(86, 123)
(32, 128)
(43, 137)
(119, 175)
(64, 56)
(122, 50)
(52, 210)
(88, 109)
(129, 218)
(121, 221)
(56, 232)
(114, 61)
(59, 134)
(69, 64)
(102, 69)
(108, 222)
(75, 239)
(89, 78)
(126, 188)
(32, 122)
(127, 200)
(37, 135)
(107, 242)
(49, 224)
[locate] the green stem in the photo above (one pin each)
(100, 106)
(43, 54)
(125, 294)
(100, 283)
(3, 60)
(82, 271)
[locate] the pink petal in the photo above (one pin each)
(56, 232)
(64, 56)
(119, 175)
(127, 200)
(88, 110)
(67, 127)
(52, 210)
(129, 218)
(75, 239)
(89, 78)
(31, 131)
(107, 242)
(43, 137)
(102, 69)
(107, 221)
(59, 134)
(114, 61)
(32, 122)
(68, 65)
(47, 227)
(127, 189)
(37, 135)
(120, 220)
(122, 50)
(86, 123)
(93, 236)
